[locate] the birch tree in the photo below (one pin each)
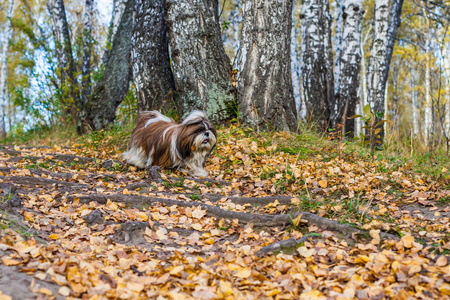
(116, 17)
(428, 109)
(69, 90)
(152, 75)
(3, 70)
(377, 63)
(202, 70)
(265, 88)
(347, 63)
(295, 66)
(87, 46)
(316, 61)
(100, 110)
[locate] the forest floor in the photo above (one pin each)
(270, 222)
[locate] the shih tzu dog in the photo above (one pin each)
(158, 141)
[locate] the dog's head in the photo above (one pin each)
(197, 134)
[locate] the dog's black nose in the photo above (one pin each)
(207, 133)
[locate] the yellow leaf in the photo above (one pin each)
(305, 252)
(64, 291)
(198, 213)
(407, 241)
(28, 216)
(243, 273)
(177, 270)
(225, 289)
(441, 261)
(10, 262)
(375, 234)
(323, 183)
(312, 295)
(44, 291)
(53, 236)
(142, 216)
(445, 289)
(4, 297)
(126, 192)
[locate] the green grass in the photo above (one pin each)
(398, 154)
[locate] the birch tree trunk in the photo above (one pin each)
(295, 65)
(150, 57)
(265, 94)
(348, 64)
(377, 64)
(116, 17)
(415, 104)
(316, 61)
(428, 111)
(202, 70)
(66, 65)
(236, 20)
(87, 46)
(4, 67)
(363, 88)
(100, 110)
(447, 80)
(394, 24)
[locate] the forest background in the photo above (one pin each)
(415, 99)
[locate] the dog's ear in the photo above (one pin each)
(184, 147)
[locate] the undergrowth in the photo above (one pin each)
(402, 155)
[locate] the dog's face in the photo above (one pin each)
(197, 136)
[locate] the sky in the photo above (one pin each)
(104, 10)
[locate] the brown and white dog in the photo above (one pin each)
(158, 141)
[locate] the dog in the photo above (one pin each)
(158, 141)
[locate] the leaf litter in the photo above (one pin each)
(182, 252)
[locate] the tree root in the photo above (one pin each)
(258, 220)
(284, 246)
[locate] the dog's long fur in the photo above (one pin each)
(158, 141)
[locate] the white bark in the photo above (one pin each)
(117, 12)
(428, 113)
(347, 63)
(236, 20)
(87, 45)
(447, 79)
(377, 61)
(338, 45)
(295, 66)
(362, 88)
(265, 83)
(4, 64)
(414, 104)
(316, 61)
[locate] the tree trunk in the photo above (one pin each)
(4, 68)
(117, 12)
(235, 20)
(363, 88)
(295, 65)
(446, 55)
(87, 45)
(100, 110)
(202, 70)
(394, 24)
(150, 57)
(377, 64)
(415, 104)
(265, 88)
(428, 111)
(316, 62)
(348, 64)
(60, 27)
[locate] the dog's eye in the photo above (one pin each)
(199, 130)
